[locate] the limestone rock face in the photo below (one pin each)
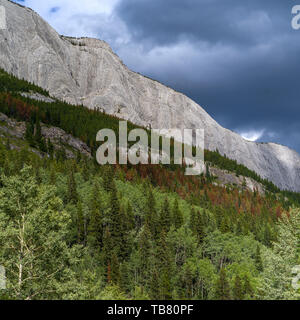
(86, 71)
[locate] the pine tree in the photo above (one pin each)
(52, 175)
(224, 227)
(154, 281)
(177, 215)
(144, 250)
(165, 216)
(38, 131)
(108, 178)
(115, 269)
(199, 226)
(124, 277)
(95, 227)
(29, 133)
(222, 287)
(247, 288)
(163, 264)
(72, 189)
(80, 225)
(114, 214)
(151, 214)
(130, 217)
(85, 171)
(107, 253)
(238, 289)
(193, 221)
(258, 260)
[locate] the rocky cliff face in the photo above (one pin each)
(86, 71)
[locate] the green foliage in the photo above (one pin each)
(70, 229)
(9, 83)
(222, 287)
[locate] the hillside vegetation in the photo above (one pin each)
(71, 229)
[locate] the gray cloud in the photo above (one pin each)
(237, 59)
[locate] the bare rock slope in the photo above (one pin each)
(86, 71)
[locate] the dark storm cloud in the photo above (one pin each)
(228, 21)
(238, 59)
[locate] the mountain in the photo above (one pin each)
(86, 71)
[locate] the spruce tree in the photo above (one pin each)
(163, 264)
(80, 225)
(144, 250)
(247, 288)
(165, 216)
(108, 178)
(29, 133)
(258, 260)
(238, 293)
(115, 269)
(222, 287)
(95, 227)
(130, 217)
(107, 253)
(151, 213)
(72, 195)
(177, 215)
(114, 214)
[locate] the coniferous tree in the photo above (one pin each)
(108, 178)
(80, 224)
(238, 292)
(29, 133)
(95, 226)
(144, 250)
(177, 215)
(115, 269)
(247, 288)
(72, 188)
(163, 263)
(151, 214)
(52, 176)
(154, 287)
(258, 260)
(107, 250)
(130, 217)
(165, 216)
(115, 216)
(222, 287)
(193, 221)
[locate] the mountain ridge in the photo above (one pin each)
(93, 75)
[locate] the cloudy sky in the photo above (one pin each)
(240, 60)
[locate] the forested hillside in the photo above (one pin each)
(71, 229)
